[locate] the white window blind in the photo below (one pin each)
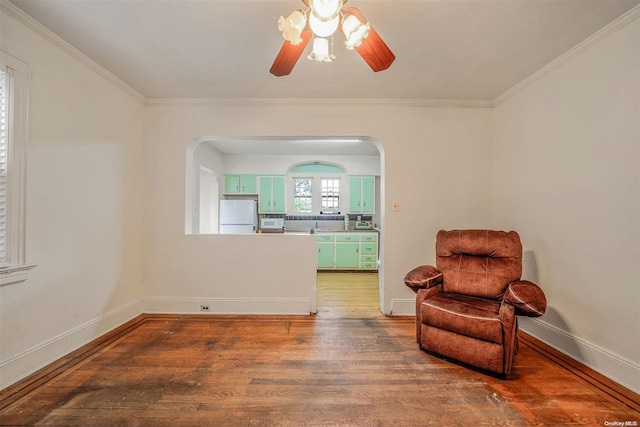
(14, 82)
(4, 144)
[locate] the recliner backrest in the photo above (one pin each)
(478, 262)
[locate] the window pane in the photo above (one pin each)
(302, 195)
(330, 194)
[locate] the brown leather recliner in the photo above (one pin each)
(466, 305)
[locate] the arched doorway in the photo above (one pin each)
(359, 155)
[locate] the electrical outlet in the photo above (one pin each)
(204, 308)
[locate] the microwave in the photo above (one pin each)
(271, 223)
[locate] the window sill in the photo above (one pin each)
(14, 274)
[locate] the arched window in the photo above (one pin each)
(316, 189)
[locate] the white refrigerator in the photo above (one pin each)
(238, 216)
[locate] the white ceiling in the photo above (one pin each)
(294, 145)
(445, 49)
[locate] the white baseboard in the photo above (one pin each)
(403, 307)
(615, 367)
(24, 364)
(282, 306)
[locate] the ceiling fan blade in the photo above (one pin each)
(289, 55)
(373, 49)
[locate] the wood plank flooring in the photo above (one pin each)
(343, 295)
(346, 366)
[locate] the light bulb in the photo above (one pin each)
(326, 9)
(320, 50)
(354, 31)
(323, 28)
(292, 26)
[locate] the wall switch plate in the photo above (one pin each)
(395, 206)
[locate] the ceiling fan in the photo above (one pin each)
(319, 21)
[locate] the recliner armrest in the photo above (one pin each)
(527, 298)
(423, 277)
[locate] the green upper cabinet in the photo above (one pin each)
(355, 193)
(264, 197)
(271, 196)
(232, 183)
(362, 194)
(279, 194)
(243, 184)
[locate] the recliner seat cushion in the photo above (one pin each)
(453, 312)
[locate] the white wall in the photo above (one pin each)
(436, 162)
(84, 212)
(566, 158)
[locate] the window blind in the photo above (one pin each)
(4, 144)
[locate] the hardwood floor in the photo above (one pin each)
(342, 295)
(346, 366)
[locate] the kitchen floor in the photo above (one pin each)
(342, 294)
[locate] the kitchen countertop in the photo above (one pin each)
(329, 231)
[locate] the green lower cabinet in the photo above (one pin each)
(369, 251)
(326, 255)
(368, 248)
(352, 251)
(368, 262)
(347, 255)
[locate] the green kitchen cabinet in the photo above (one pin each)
(265, 194)
(353, 251)
(368, 262)
(326, 251)
(271, 195)
(369, 237)
(347, 255)
(369, 251)
(242, 184)
(326, 255)
(362, 194)
(368, 248)
(279, 194)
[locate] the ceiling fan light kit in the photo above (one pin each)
(320, 20)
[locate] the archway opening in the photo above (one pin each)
(210, 159)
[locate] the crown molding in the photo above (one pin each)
(213, 102)
(595, 38)
(20, 16)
